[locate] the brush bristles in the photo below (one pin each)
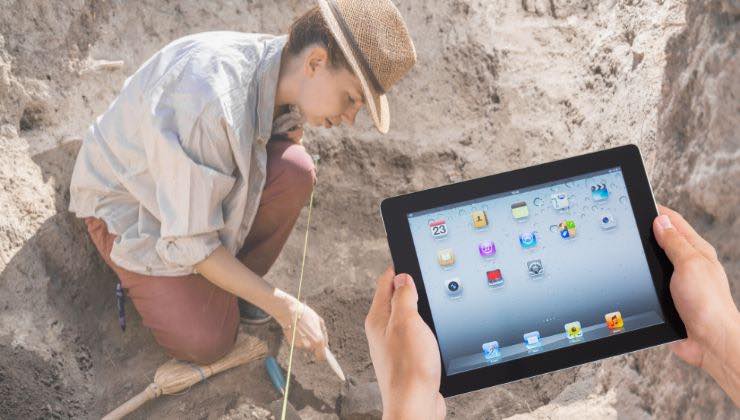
(176, 376)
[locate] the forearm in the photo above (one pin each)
(722, 362)
(227, 272)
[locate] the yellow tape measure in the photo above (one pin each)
(298, 296)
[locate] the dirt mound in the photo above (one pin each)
(498, 85)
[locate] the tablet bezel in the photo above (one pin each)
(394, 213)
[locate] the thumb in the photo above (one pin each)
(405, 296)
(672, 241)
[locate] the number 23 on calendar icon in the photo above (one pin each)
(438, 228)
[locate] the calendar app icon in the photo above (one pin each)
(438, 228)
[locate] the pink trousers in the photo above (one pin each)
(190, 317)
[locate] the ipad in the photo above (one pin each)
(536, 269)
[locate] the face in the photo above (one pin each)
(328, 95)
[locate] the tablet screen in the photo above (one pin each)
(533, 270)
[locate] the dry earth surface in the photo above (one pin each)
(499, 85)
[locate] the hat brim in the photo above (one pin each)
(377, 103)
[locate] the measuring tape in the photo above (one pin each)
(298, 296)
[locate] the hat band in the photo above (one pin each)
(355, 48)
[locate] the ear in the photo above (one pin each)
(316, 58)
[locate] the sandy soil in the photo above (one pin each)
(499, 85)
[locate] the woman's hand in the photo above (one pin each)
(408, 378)
(701, 293)
(227, 272)
(310, 327)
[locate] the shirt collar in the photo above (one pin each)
(267, 75)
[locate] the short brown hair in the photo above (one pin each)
(310, 29)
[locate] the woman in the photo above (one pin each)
(192, 180)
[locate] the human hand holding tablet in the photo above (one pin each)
(536, 269)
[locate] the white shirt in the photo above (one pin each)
(176, 165)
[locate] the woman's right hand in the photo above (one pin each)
(311, 331)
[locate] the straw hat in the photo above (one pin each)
(377, 45)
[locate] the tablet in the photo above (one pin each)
(536, 269)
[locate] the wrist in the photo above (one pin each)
(284, 306)
(720, 359)
(728, 333)
(409, 401)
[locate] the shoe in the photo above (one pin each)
(251, 314)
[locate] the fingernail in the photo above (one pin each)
(664, 222)
(398, 281)
(402, 280)
(409, 281)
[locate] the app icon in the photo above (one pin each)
(445, 257)
(486, 249)
(519, 210)
(494, 277)
(438, 228)
(528, 239)
(535, 268)
(614, 320)
(454, 288)
(491, 350)
(567, 229)
(560, 201)
(599, 192)
(532, 339)
(607, 221)
(480, 220)
(573, 330)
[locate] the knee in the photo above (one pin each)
(204, 344)
(297, 171)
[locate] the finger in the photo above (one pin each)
(319, 352)
(306, 343)
(689, 233)
(318, 345)
(405, 298)
(380, 309)
(325, 334)
(672, 241)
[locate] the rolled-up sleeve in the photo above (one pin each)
(192, 165)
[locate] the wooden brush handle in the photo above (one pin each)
(149, 393)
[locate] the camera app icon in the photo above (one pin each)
(454, 288)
